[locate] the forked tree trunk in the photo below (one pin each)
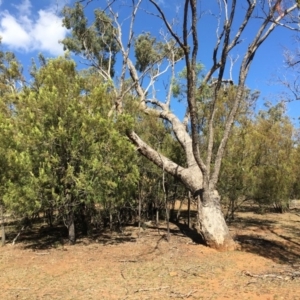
(211, 222)
(212, 225)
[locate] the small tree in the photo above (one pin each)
(71, 162)
(272, 140)
(256, 161)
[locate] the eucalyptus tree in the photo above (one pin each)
(140, 72)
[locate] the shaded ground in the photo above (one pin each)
(127, 267)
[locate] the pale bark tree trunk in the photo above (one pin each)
(71, 228)
(212, 227)
(179, 210)
(166, 206)
(212, 223)
(139, 208)
(110, 220)
(2, 226)
(189, 209)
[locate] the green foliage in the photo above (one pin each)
(145, 53)
(295, 194)
(10, 77)
(149, 51)
(68, 153)
(272, 142)
(259, 161)
(179, 88)
(96, 41)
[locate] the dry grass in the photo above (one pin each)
(127, 267)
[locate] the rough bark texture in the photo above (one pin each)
(212, 225)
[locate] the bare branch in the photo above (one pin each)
(175, 36)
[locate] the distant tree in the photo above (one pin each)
(255, 161)
(272, 141)
(295, 194)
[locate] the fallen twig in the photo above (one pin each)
(177, 295)
(283, 276)
(190, 293)
(151, 289)
(253, 281)
(247, 273)
(42, 253)
(15, 239)
(129, 260)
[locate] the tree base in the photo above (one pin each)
(212, 225)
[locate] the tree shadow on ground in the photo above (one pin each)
(107, 238)
(277, 251)
(182, 230)
(268, 238)
(189, 232)
(289, 233)
(41, 238)
(46, 237)
(246, 222)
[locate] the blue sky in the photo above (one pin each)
(32, 26)
(29, 27)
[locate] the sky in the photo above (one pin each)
(29, 27)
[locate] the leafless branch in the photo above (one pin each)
(175, 36)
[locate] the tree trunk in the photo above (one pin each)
(2, 227)
(110, 220)
(71, 229)
(139, 207)
(189, 209)
(212, 225)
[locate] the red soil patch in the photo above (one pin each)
(149, 267)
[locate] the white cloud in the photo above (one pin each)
(13, 33)
(28, 31)
(24, 8)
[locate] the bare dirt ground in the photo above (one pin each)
(123, 266)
